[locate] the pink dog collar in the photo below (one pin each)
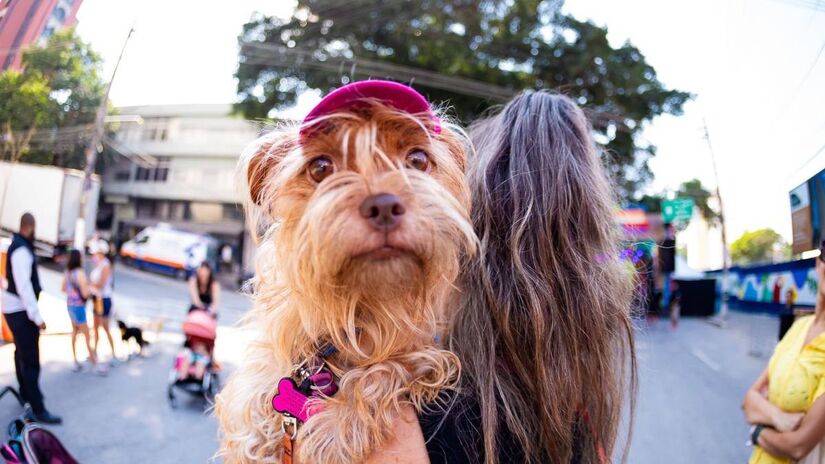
(398, 96)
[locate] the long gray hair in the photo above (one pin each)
(543, 331)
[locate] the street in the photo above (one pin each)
(691, 383)
(124, 417)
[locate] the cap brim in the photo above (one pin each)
(393, 94)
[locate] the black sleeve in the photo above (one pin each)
(452, 432)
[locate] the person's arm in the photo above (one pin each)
(83, 284)
(407, 445)
(21, 264)
(104, 277)
(758, 410)
(798, 443)
(96, 285)
(193, 292)
(63, 287)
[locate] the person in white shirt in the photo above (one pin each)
(23, 317)
(101, 282)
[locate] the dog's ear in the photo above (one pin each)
(262, 159)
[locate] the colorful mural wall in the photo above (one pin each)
(773, 284)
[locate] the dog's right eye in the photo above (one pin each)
(320, 168)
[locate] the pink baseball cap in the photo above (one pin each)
(398, 96)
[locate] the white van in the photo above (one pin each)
(170, 251)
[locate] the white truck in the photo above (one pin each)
(52, 195)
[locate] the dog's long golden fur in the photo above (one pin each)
(315, 281)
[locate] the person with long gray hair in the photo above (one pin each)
(543, 327)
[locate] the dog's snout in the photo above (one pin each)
(383, 211)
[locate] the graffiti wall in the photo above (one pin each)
(774, 284)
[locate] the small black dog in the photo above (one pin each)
(132, 333)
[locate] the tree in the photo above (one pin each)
(651, 203)
(755, 247)
(470, 54)
(695, 190)
(48, 108)
(24, 106)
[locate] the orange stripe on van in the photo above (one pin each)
(163, 262)
(127, 254)
(150, 259)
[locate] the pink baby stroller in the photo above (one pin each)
(30, 443)
(199, 328)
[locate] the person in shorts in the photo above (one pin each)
(76, 287)
(102, 279)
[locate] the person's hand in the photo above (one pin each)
(42, 326)
(787, 421)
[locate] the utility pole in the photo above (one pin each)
(91, 153)
(722, 318)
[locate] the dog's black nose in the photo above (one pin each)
(383, 211)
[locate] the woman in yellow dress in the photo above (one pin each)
(786, 405)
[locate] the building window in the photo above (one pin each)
(159, 172)
(162, 173)
(232, 212)
(145, 208)
(59, 14)
(156, 129)
(179, 211)
(122, 176)
(163, 210)
(142, 174)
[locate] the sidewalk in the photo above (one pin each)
(124, 417)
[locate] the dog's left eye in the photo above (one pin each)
(320, 168)
(418, 159)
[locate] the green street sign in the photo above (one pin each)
(680, 209)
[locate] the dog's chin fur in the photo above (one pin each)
(322, 276)
(384, 278)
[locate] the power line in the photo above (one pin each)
(285, 57)
(264, 54)
(810, 4)
(805, 164)
(92, 148)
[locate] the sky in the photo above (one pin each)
(752, 66)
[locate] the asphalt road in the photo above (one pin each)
(124, 417)
(691, 383)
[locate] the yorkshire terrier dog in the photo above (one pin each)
(361, 214)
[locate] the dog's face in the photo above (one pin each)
(372, 202)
